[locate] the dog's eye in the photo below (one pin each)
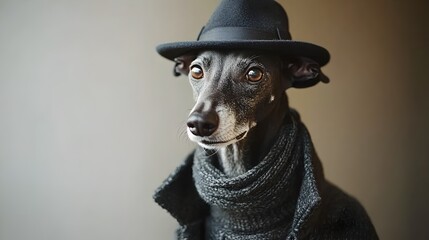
(254, 74)
(197, 72)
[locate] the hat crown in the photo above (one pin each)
(247, 20)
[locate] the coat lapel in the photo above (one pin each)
(310, 195)
(179, 196)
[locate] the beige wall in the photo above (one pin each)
(91, 119)
(370, 124)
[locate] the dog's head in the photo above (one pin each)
(236, 90)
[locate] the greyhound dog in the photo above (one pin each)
(241, 101)
(240, 114)
(255, 174)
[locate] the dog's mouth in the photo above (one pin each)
(237, 138)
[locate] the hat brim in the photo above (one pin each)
(282, 47)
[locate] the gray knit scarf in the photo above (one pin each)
(260, 203)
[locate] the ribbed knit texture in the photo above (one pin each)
(259, 204)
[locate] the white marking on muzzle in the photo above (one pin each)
(228, 131)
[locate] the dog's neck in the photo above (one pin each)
(239, 157)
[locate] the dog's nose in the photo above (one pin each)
(203, 124)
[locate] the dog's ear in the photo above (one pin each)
(304, 72)
(181, 65)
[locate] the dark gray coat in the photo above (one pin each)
(335, 215)
(315, 208)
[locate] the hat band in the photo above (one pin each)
(241, 33)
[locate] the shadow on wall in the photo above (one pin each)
(370, 124)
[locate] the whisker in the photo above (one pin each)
(182, 133)
(210, 152)
(254, 57)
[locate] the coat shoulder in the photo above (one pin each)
(341, 216)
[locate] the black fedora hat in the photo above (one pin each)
(247, 24)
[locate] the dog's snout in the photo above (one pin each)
(203, 124)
